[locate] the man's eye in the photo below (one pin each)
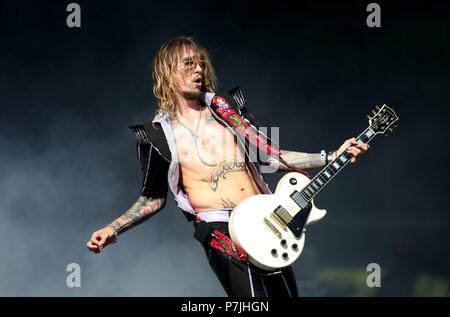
(189, 63)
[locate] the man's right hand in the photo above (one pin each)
(100, 239)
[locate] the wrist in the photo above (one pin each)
(113, 232)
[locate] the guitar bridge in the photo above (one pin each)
(272, 227)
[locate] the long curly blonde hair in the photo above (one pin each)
(165, 65)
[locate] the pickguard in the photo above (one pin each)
(298, 222)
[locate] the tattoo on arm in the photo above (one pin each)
(227, 203)
(222, 169)
(143, 209)
(301, 160)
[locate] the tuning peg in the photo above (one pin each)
(378, 108)
(390, 129)
(368, 117)
(374, 112)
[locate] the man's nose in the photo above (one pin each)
(198, 69)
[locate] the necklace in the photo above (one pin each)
(196, 137)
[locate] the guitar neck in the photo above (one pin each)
(332, 169)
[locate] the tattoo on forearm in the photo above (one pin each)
(222, 169)
(301, 160)
(227, 203)
(143, 209)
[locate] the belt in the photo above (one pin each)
(215, 215)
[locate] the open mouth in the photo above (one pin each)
(198, 82)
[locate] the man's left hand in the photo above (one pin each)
(355, 149)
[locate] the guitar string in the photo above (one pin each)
(328, 167)
(293, 206)
(304, 191)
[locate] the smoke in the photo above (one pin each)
(68, 163)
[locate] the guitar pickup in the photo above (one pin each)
(283, 214)
(295, 224)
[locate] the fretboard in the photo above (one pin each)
(328, 172)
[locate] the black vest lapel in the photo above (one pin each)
(147, 133)
(158, 138)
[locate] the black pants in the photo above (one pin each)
(243, 279)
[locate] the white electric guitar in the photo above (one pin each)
(271, 227)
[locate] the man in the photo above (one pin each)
(189, 148)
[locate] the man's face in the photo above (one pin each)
(189, 75)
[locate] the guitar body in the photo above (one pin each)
(270, 228)
(260, 226)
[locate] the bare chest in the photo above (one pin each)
(213, 169)
(205, 142)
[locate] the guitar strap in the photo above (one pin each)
(206, 234)
(224, 106)
(226, 245)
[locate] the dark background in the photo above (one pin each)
(68, 163)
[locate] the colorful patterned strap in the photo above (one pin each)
(224, 110)
(224, 244)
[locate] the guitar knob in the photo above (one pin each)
(285, 255)
(283, 242)
(295, 247)
(274, 251)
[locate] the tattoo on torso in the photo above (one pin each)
(217, 146)
(222, 169)
(227, 203)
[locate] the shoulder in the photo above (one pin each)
(151, 133)
(236, 100)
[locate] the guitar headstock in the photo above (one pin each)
(382, 120)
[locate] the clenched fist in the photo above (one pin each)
(101, 239)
